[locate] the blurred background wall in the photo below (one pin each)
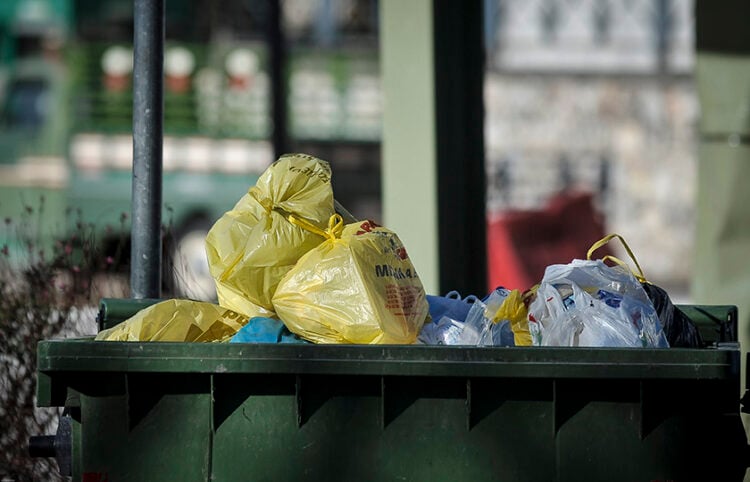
(592, 97)
(598, 96)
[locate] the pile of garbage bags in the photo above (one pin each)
(289, 269)
(585, 303)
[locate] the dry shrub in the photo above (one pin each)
(48, 289)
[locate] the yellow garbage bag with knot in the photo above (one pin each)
(253, 246)
(357, 286)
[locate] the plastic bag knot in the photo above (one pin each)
(266, 204)
(335, 226)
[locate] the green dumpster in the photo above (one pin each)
(229, 412)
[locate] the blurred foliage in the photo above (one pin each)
(47, 290)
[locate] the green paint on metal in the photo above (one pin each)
(124, 437)
(69, 356)
(182, 411)
(113, 311)
(200, 411)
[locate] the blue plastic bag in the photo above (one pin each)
(451, 305)
(477, 327)
(265, 330)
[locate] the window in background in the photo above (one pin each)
(334, 96)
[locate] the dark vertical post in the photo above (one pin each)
(459, 111)
(277, 59)
(148, 119)
(721, 27)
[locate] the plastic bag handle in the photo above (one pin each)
(606, 239)
(335, 226)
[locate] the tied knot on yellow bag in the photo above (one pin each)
(251, 247)
(357, 286)
(335, 226)
(265, 203)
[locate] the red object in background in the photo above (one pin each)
(117, 83)
(240, 83)
(179, 84)
(521, 244)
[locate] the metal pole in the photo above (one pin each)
(148, 119)
(277, 58)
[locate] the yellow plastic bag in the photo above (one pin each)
(515, 309)
(177, 320)
(253, 246)
(358, 286)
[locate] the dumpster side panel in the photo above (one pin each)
(176, 411)
(666, 430)
(384, 428)
(159, 430)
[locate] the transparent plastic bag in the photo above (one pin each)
(587, 303)
(444, 331)
(497, 334)
(475, 325)
(492, 331)
(478, 329)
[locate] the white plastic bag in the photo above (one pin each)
(587, 303)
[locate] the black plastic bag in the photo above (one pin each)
(679, 329)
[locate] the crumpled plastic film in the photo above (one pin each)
(253, 246)
(177, 320)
